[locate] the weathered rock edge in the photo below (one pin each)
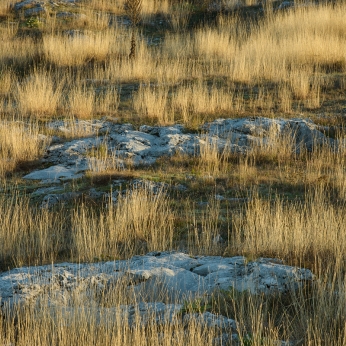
(173, 275)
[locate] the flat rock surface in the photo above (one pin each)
(171, 277)
(54, 173)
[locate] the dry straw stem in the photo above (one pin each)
(133, 8)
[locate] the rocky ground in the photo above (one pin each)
(127, 146)
(176, 277)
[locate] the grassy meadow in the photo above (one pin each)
(192, 63)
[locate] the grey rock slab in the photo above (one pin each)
(257, 130)
(177, 259)
(147, 146)
(34, 11)
(257, 277)
(169, 277)
(21, 5)
(66, 152)
(170, 284)
(53, 199)
(161, 131)
(54, 173)
(210, 320)
(91, 127)
(211, 264)
(45, 190)
(27, 4)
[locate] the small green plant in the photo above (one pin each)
(33, 23)
(247, 340)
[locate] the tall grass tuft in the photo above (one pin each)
(38, 95)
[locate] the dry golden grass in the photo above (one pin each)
(286, 59)
(49, 326)
(151, 102)
(77, 49)
(72, 129)
(5, 7)
(283, 49)
(179, 15)
(299, 230)
(38, 95)
(183, 103)
(28, 235)
(204, 228)
(19, 144)
(81, 102)
(149, 7)
(104, 159)
(115, 6)
(140, 221)
(17, 51)
(213, 161)
(5, 82)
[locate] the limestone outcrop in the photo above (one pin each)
(127, 145)
(174, 276)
